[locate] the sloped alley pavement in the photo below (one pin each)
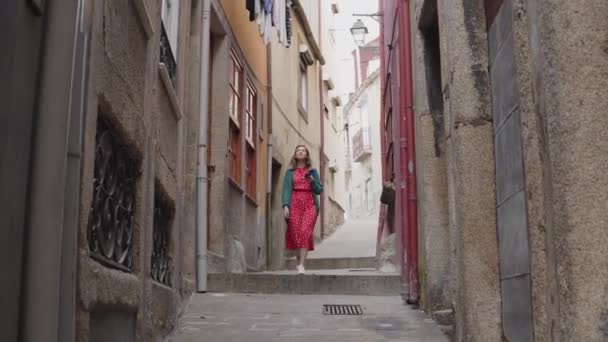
(285, 306)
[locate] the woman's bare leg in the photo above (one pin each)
(302, 258)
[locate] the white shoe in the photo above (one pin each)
(300, 269)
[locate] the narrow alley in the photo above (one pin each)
(286, 306)
(304, 170)
(269, 318)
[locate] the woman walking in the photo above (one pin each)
(301, 188)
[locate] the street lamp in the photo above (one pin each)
(359, 30)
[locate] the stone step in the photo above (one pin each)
(342, 282)
(334, 263)
(443, 317)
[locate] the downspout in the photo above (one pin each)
(401, 178)
(408, 159)
(269, 252)
(322, 115)
(382, 92)
(381, 219)
(411, 162)
(201, 175)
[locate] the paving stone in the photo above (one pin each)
(270, 318)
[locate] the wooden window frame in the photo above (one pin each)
(250, 127)
(235, 89)
(251, 112)
(235, 134)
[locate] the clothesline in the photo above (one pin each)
(272, 13)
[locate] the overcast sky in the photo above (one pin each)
(344, 40)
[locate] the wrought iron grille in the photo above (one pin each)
(110, 226)
(162, 266)
(166, 54)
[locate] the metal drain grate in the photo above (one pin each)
(349, 309)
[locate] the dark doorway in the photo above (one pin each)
(429, 27)
(273, 235)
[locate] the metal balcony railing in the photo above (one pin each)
(166, 54)
(361, 145)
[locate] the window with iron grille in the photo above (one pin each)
(168, 37)
(161, 269)
(116, 172)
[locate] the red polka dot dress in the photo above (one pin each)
(302, 214)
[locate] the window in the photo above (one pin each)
(250, 114)
(170, 18)
(234, 110)
(250, 134)
(250, 172)
(234, 153)
(303, 85)
(236, 76)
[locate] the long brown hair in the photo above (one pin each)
(294, 161)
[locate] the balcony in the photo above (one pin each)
(166, 55)
(362, 147)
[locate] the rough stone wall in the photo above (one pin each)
(144, 109)
(471, 178)
(567, 52)
(536, 196)
(431, 168)
(560, 52)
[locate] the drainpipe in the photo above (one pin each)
(269, 231)
(382, 128)
(201, 175)
(382, 93)
(408, 157)
(322, 112)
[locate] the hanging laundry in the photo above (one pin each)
(276, 9)
(261, 16)
(282, 22)
(268, 6)
(288, 22)
(257, 9)
(250, 6)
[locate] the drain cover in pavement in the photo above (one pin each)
(332, 309)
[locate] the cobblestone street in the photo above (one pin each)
(269, 318)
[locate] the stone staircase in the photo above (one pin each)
(339, 281)
(343, 264)
(344, 276)
(335, 263)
